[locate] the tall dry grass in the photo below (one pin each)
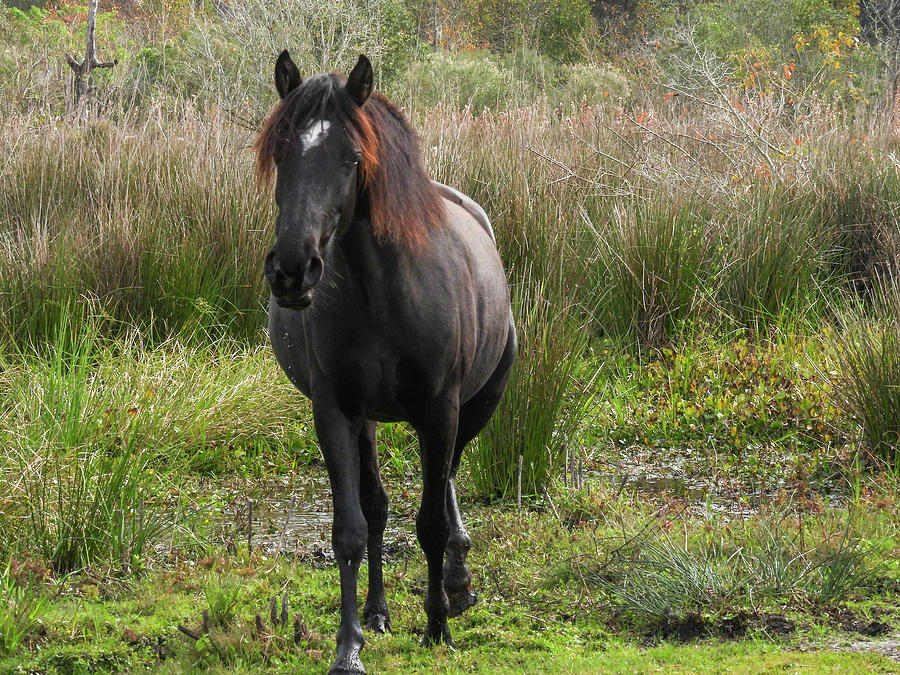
(632, 224)
(159, 222)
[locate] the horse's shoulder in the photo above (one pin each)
(472, 207)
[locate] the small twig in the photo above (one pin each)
(552, 505)
(519, 485)
(190, 633)
(249, 526)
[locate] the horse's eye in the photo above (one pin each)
(352, 163)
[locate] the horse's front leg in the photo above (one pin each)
(374, 504)
(437, 435)
(339, 437)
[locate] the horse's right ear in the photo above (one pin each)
(287, 77)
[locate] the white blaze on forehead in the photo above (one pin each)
(314, 134)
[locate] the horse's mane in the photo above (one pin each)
(403, 202)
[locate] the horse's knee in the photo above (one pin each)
(348, 538)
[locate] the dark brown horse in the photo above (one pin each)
(405, 316)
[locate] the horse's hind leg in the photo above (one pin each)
(473, 415)
(373, 500)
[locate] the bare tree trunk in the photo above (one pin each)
(83, 70)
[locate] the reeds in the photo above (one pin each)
(160, 223)
(868, 383)
(611, 222)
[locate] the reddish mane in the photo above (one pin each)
(403, 203)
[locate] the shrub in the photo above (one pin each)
(477, 80)
(532, 67)
(593, 84)
(231, 58)
(793, 47)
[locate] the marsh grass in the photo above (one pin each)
(605, 229)
(657, 577)
(869, 380)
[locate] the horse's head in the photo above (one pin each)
(317, 155)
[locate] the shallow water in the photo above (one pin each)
(293, 517)
(676, 473)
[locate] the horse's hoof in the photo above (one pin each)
(435, 634)
(461, 601)
(348, 660)
(379, 623)
(347, 667)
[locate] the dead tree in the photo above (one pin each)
(83, 69)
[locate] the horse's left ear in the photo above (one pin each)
(359, 84)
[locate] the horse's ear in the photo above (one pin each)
(287, 77)
(359, 84)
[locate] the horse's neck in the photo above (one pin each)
(365, 258)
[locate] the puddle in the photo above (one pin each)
(678, 474)
(292, 516)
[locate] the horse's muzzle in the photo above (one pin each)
(293, 280)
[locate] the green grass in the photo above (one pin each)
(869, 380)
(539, 609)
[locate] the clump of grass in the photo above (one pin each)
(543, 404)
(21, 607)
(773, 254)
(869, 379)
(222, 593)
(649, 268)
(655, 577)
(87, 508)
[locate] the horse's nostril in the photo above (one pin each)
(313, 273)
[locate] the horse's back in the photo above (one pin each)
(474, 209)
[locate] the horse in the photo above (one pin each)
(388, 302)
